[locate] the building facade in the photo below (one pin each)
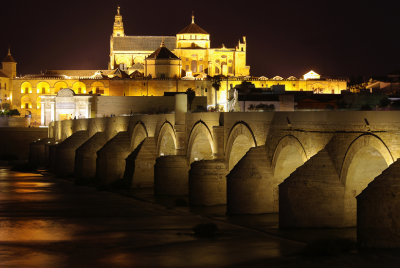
(150, 66)
(191, 45)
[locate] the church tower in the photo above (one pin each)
(118, 25)
(9, 65)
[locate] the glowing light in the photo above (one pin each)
(311, 75)
(161, 154)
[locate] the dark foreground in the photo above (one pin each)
(47, 222)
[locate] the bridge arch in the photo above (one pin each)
(139, 133)
(366, 157)
(166, 142)
(240, 140)
(200, 145)
(289, 154)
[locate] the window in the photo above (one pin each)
(201, 68)
(43, 90)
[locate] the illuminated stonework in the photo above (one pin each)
(191, 45)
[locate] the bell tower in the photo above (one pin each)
(118, 25)
(9, 65)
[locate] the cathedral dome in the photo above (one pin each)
(192, 28)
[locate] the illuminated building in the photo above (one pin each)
(151, 66)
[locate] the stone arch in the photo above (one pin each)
(289, 154)
(97, 87)
(26, 102)
(139, 133)
(43, 88)
(166, 142)
(59, 85)
(241, 139)
(26, 88)
(366, 157)
(79, 87)
(200, 145)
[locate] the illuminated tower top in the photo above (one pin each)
(193, 36)
(118, 24)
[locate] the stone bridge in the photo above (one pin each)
(311, 167)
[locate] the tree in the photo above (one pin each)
(191, 94)
(216, 84)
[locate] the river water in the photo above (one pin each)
(49, 222)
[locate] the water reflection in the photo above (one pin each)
(50, 223)
(35, 230)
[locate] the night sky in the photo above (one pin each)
(334, 38)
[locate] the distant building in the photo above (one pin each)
(7, 73)
(191, 45)
(150, 66)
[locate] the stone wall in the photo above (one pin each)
(14, 141)
(117, 105)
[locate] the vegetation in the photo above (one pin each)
(6, 112)
(191, 94)
(262, 107)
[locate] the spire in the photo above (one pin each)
(9, 57)
(118, 24)
(192, 17)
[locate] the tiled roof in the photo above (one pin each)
(162, 53)
(74, 72)
(193, 28)
(143, 43)
(9, 58)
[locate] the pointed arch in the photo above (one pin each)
(166, 140)
(200, 143)
(241, 138)
(139, 133)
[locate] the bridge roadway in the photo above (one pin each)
(311, 167)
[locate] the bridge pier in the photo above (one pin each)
(171, 175)
(38, 155)
(378, 211)
(110, 164)
(207, 183)
(65, 153)
(52, 156)
(250, 185)
(86, 155)
(140, 164)
(312, 196)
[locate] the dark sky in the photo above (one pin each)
(334, 38)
